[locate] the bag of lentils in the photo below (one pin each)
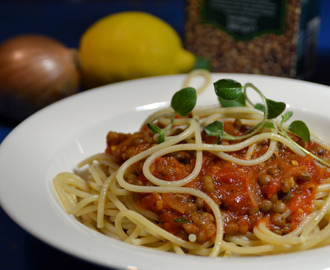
(271, 37)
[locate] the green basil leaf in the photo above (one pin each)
(228, 89)
(260, 107)
(300, 129)
(161, 137)
(215, 129)
(153, 128)
(268, 125)
(274, 108)
(239, 102)
(286, 116)
(184, 101)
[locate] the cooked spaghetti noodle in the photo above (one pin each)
(261, 195)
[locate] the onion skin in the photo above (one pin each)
(35, 71)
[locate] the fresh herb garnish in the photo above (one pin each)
(183, 102)
(297, 127)
(231, 93)
(228, 89)
(300, 129)
(216, 129)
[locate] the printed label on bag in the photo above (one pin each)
(245, 19)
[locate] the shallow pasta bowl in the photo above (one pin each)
(57, 137)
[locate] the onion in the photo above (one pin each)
(35, 71)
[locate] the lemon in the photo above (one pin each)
(130, 45)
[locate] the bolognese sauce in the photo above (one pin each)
(279, 191)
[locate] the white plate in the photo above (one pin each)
(56, 138)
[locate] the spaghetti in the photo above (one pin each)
(255, 196)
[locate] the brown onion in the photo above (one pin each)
(35, 71)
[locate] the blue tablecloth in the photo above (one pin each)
(18, 249)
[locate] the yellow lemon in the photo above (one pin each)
(130, 45)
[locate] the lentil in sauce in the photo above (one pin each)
(279, 191)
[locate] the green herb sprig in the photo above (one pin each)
(231, 93)
(299, 128)
(183, 102)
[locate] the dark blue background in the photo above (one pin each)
(66, 21)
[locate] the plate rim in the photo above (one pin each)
(7, 145)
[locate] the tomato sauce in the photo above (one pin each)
(286, 183)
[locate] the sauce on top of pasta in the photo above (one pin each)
(279, 191)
